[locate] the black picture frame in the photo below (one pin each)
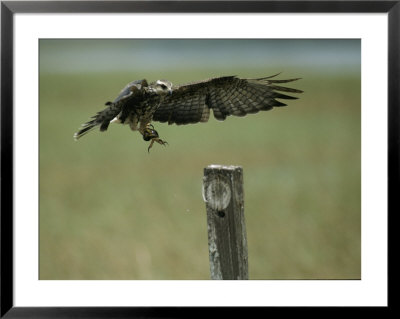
(9, 8)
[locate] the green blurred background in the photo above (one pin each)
(110, 210)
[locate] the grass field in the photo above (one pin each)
(110, 210)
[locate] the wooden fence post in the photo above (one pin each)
(227, 241)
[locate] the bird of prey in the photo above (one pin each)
(140, 103)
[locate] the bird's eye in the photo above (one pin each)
(163, 86)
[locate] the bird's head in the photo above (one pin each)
(162, 87)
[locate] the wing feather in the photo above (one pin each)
(229, 95)
(126, 98)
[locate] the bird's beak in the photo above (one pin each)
(170, 91)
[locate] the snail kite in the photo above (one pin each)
(140, 103)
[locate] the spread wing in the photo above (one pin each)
(229, 95)
(126, 97)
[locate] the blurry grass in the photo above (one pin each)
(110, 210)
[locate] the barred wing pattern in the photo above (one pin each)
(191, 103)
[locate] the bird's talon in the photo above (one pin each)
(150, 146)
(158, 140)
(149, 126)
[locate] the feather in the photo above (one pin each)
(227, 95)
(139, 103)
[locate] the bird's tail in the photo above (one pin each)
(86, 128)
(102, 118)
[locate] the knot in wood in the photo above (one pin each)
(217, 192)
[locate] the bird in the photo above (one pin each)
(140, 103)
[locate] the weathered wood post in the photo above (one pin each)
(227, 241)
